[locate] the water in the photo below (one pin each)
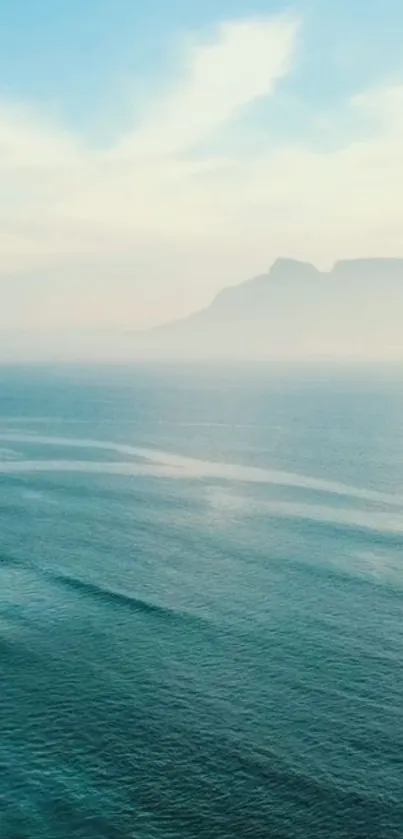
(201, 604)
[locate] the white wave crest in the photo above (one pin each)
(165, 464)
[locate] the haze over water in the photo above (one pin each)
(201, 602)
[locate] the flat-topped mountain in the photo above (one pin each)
(294, 312)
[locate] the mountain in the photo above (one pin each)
(295, 312)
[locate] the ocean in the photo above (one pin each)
(201, 603)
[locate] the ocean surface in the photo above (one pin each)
(201, 603)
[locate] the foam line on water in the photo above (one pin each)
(90, 467)
(377, 522)
(174, 465)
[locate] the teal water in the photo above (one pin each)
(201, 604)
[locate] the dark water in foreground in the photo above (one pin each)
(201, 604)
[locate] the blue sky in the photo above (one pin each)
(132, 187)
(85, 58)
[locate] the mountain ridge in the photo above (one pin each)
(278, 271)
(353, 309)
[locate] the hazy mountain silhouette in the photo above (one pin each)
(295, 312)
(292, 313)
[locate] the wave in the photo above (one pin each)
(9, 561)
(112, 596)
(376, 522)
(354, 519)
(89, 467)
(167, 464)
(9, 454)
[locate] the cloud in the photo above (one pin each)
(61, 202)
(384, 104)
(242, 63)
(29, 143)
(154, 225)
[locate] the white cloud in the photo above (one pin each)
(241, 64)
(27, 142)
(138, 232)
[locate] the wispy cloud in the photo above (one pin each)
(241, 63)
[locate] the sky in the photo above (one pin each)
(152, 153)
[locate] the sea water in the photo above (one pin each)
(201, 603)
